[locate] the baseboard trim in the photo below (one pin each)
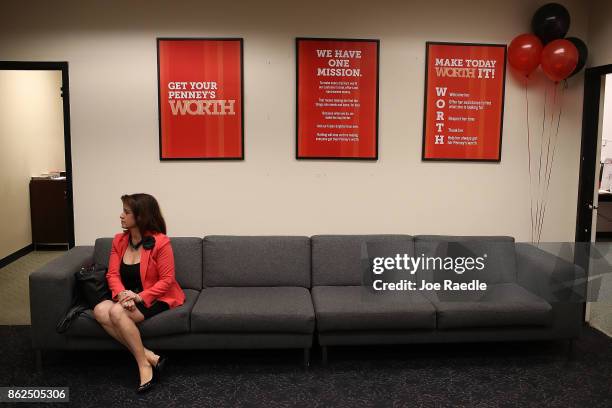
(51, 247)
(16, 255)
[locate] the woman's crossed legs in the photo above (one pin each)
(120, 323)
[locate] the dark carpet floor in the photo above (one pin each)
(531, 374)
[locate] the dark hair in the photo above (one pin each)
(146, 212)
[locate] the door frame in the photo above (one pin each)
(591, 104)
(65, 93)
(588, 149)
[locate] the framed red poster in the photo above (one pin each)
(200, 89)
(337, 98)
(464, 101)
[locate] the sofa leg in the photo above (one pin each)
(324, 354)
(38, 360)
(307, 357)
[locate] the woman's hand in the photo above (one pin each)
(126, 295)
(128, 305)
(128, 300)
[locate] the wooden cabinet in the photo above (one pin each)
(49, 211)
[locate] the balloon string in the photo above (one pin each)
(529, 162)
(555, 142)
(549, 137)
(543, 184)
(537, 213)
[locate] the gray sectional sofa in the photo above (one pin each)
(285, 291)
(522, 302)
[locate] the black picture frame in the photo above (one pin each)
(503, 101)
(159, 118)
(297, 96)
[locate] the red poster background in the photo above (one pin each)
(365, 116)
(205, 136)
(485, 124)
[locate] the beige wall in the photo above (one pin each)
(31, 142)
(110, 47)
(600, 32)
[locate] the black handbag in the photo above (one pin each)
(91, 284)
(75, 310)
(90, 289)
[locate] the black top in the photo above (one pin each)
(130, 276)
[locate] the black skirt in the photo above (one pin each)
(130, 277)
(157, 306)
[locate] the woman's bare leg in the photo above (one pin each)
(130, 333)
(102, 315)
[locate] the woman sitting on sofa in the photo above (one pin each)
(142, 281)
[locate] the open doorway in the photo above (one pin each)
(36, 174)
(603, 207)
(594, 207)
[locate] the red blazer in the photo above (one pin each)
(156, 271)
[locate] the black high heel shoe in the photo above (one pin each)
(149, 384)
(159, 367)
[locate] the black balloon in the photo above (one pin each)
(583, 53)
(550, 22)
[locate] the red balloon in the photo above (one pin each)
(559, 59)
(524, 53)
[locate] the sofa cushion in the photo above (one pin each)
(187, 259)
(256, 261)
(171, 321)
(338, 259)
(253, 310)
(102, 250)
(505, 304)
(356, 308)
(498, 253)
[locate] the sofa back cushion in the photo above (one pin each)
(339, 259)
(187, 259)
(256, 261)
(498, 253)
